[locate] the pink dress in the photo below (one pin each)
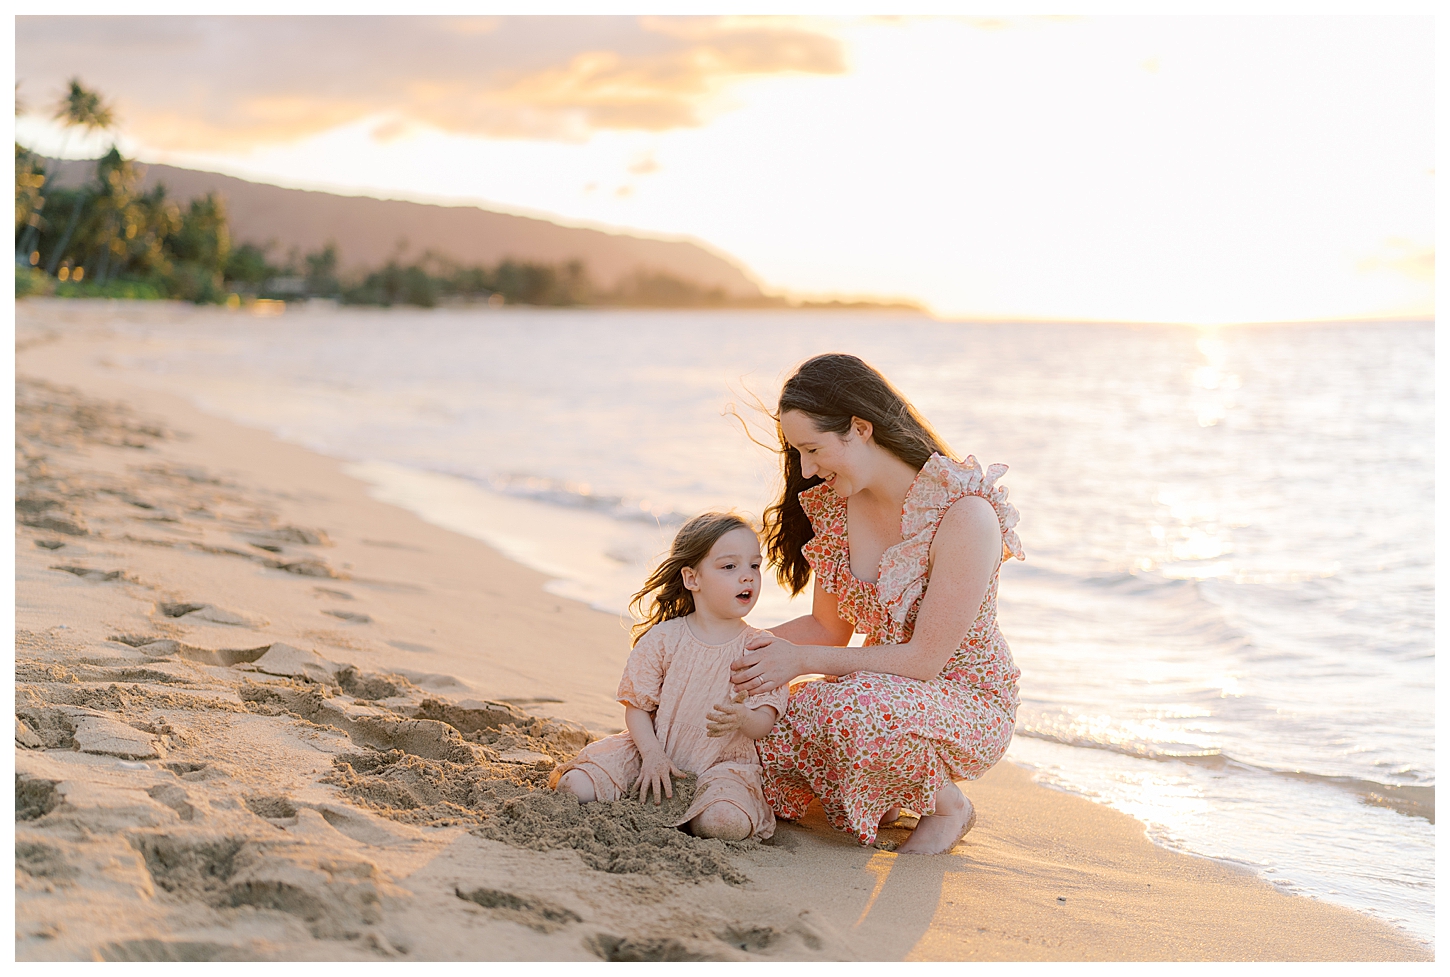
(870, 740)
(679, 678)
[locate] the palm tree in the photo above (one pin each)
(82, 108)
(78, 108)
(116, 215)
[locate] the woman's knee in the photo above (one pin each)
(724, 821)
(577, 782)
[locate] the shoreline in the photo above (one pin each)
(831, 305)
(1046, 875)
(44, 287)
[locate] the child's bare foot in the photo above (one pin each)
(936, 833)
(892, 813)
(577, 782)
(724, 821)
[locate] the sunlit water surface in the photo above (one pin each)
(1225, 620)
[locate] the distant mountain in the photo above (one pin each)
(367, 231)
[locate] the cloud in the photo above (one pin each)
(644, 165)
(232, 83)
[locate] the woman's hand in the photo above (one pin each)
(655, 771)
(769, 662)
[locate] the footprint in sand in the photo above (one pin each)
(761, 939)
(388, 544)
(42, 861)
(192, 770)
(289, 534)
(70, 524)
(273, 808)
(35, 797)
(211, 614)
(431, 680)
(174, 797)
(172, 951)
(699, 943)
(98, 576)
(349, 616)
(155, 646)
(332, 895)
(287, 661)
(634, 949)
(134, 640)
(537, 914)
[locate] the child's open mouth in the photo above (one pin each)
(744, 596)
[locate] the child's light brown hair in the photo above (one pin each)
(664, 593)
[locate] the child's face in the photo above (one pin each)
(727, 582)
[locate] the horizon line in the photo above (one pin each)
(1427, 317)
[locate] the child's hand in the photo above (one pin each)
(727, 717)
(655, 770)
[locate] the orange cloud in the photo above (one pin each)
(644, 165)
(229, 83)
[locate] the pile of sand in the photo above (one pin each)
(622, 836)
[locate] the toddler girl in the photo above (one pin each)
(678, 670)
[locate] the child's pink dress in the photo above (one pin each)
(679, 678)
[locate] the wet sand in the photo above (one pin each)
(261, 715)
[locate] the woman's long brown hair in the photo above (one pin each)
(663, 596)
(831, 389)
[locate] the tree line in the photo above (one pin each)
(106, 237)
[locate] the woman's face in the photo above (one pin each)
(839, 460)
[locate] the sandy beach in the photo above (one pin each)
(261, 715)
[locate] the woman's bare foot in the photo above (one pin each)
(892, 813)
(936, 833)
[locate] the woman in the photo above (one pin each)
(905, 543)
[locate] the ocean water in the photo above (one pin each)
(1225, 620)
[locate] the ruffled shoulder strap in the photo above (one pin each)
(825, 552)
(940, 483)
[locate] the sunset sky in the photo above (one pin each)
(1188, 169)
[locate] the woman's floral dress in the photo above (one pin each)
(869, 740)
